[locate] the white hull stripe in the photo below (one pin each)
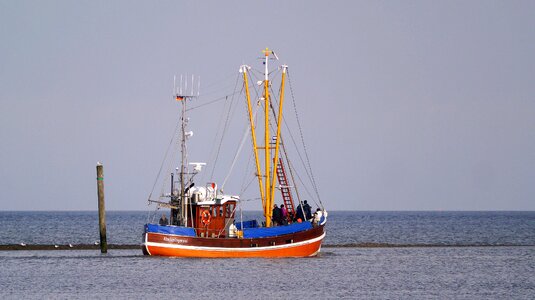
(223, 249)
(145, 244)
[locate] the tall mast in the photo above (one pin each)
(243, 69)
(267, 188)
(184, 214)
(269, 199)
(181, 97)
(277, 139)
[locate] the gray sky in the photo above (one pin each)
(406, 105)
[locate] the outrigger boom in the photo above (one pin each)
(203, 219)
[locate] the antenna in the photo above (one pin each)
(186, 83)
(182, 92)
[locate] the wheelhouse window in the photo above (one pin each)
(230, 209)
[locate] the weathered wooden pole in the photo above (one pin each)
(101, 209)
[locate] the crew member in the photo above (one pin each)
(232, 229)
(317, 217)
(308, 210)
(163, 220)
(276, 215)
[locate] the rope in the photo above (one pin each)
(213, 101)
(314, 185)
(247, 167)
(164, 159)
(285, 154)
(224, 130)
(245, 134)
(170, 166)
(245, 187)
(216, 82)
(298, 154)
(306, 190)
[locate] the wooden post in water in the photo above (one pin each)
(101, 209)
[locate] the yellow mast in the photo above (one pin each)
(267, 194)
(279, 122)
(243, 69)
(269, 199)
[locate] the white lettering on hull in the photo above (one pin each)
(174, 240)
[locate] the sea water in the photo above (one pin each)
(485, 255)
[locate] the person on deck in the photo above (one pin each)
(317, 217)
(308, 210)
(276, 215)
(299, 214)
(284, 215)
(232, 230)
(163, 220)
(291, 218)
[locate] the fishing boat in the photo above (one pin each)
(204, 221)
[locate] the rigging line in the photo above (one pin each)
(218, 91)
(244, 186)
(247, 166)
(285, 154)
(245, 134)
(227, 222)
(210, 102)
(251, 79)
(219, 127)
(212, 151)
(275, 72)
(296, 147)
(224, 130)
(306, 189)
(255, 121)
(217, 81)
(244, 189)
(300, 158)
(260, 72)
(170, 158)
(303, 141)
(250, 199)
(249, 160)
(164, 159)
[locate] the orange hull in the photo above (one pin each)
(301, 249)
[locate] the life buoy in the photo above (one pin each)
(206, 217)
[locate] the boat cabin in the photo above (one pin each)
(210, 213)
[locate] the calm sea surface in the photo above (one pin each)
(500, 265)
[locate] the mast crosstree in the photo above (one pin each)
(267, 183)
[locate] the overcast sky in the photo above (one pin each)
(406, 105)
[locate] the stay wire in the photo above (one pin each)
(303, 141)
(224, 130)
(164, 159)
(238, 151)
(284, 151)
(212, 101)
(289, 132)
